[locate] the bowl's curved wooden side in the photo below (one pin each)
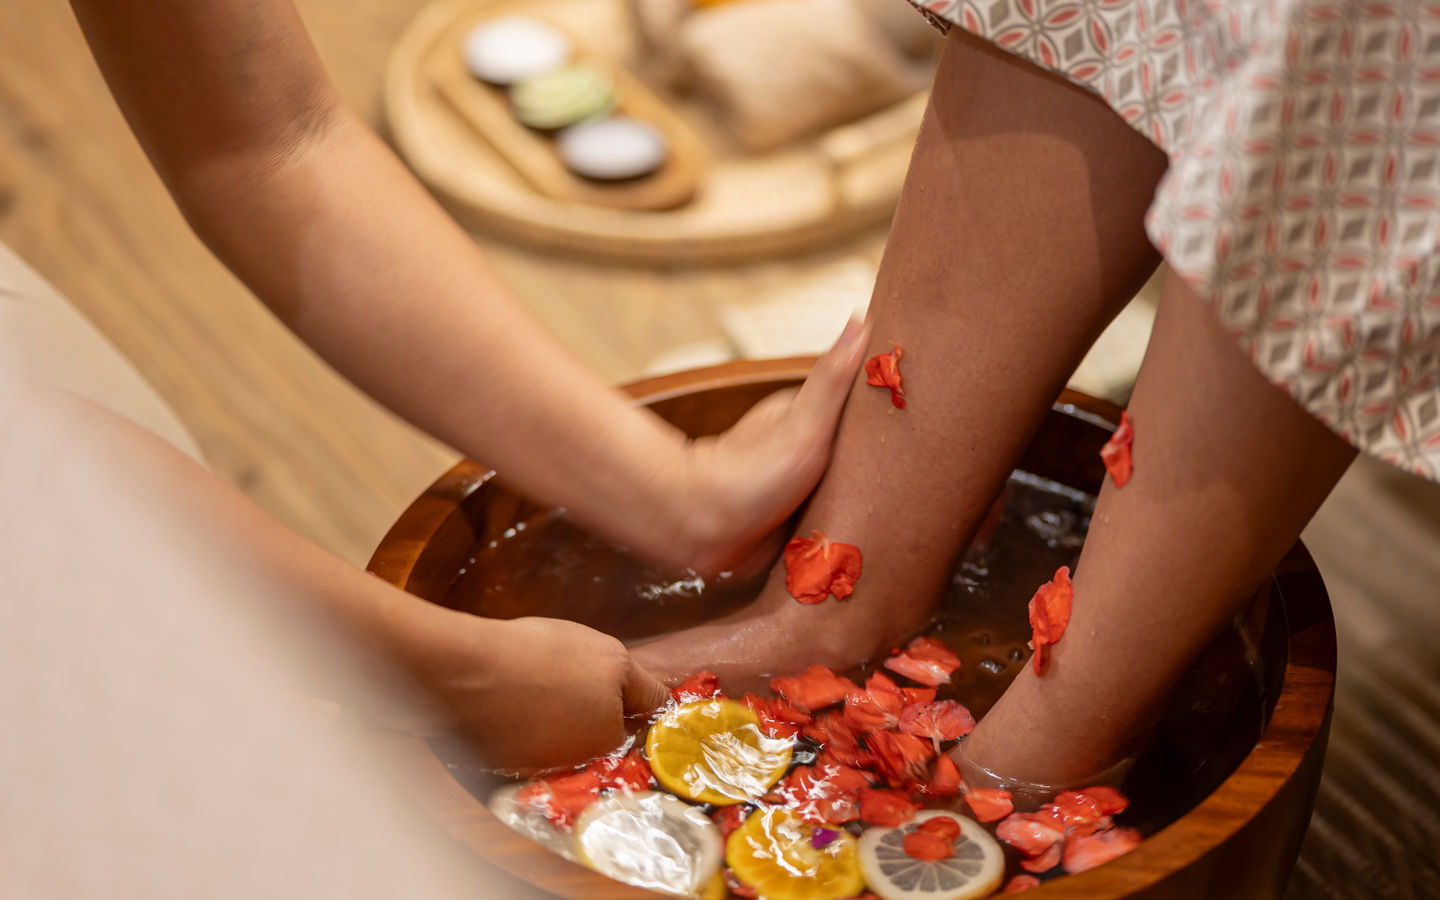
(1240, 842)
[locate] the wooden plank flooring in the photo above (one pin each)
(78, 200)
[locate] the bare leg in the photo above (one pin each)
(1228, 469)
(1018, 237)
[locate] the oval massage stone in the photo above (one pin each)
(563, 97)
(612, 148)
(513, 48)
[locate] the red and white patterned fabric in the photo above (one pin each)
(1303, 194)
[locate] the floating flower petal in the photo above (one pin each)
(888, 808)
(700, 686)
(1084, 852)
(813, 689)
(944, 720)
(989, 804)
(924, 660)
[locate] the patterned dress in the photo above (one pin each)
(1303, 194)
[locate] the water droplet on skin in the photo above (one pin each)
(1016, 654)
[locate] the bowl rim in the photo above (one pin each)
(1298, 720)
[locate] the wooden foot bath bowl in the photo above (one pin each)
(1223, 796)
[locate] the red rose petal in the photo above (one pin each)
(989, 804)
(1020, 883)
(630, 772)
(700, 686)
(1084, 852)
(840, 744)
(1111, 801)
(813, 689)
(883, 370)
(729, 818)
(944, 826)
(929, 847)
(778, 718)
(1031, 833)
(918, 694)
(901, 759)
(1050, 614)
(823, 795)
(817, 567)
(878, 706)
(1045, 861)
(944, 779)
(1116, 452)
(563, 797)
(924, 660)
(888, 808)
(944, 720)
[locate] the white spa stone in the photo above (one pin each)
(513, 48)
(612, 148)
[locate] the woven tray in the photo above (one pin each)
(747, 206)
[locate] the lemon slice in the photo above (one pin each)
(975, 870)
(772, 853)
(713, 751)
(530, 822)
(650, 840)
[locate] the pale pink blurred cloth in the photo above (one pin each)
(154, 746)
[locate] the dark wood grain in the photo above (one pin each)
(1240, 842)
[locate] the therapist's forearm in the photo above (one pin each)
(383, 285)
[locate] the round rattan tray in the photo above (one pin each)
(748, 205)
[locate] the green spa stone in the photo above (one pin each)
(563, 96)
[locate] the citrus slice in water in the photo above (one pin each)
(975, 869)
(713, 751)
(776, 853)
(650, 840)
(530, 821)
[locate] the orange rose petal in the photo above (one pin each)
(944, 779)
(1088, 851)
(878, 706)
(1116, 452)
(1031, 833)
(924, 660)
(901, 759)
(888, 808)
(563, 797)
(944, 720)
(630, 772)
(815, 688)
(944, 826)
(817, 568)
(700, 686)
(1045, 861)
(883, 370)
(778, 718)
(929, 847)
(918, 695)
(1050, 615)
(989, 804)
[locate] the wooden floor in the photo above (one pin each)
(78, 201)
